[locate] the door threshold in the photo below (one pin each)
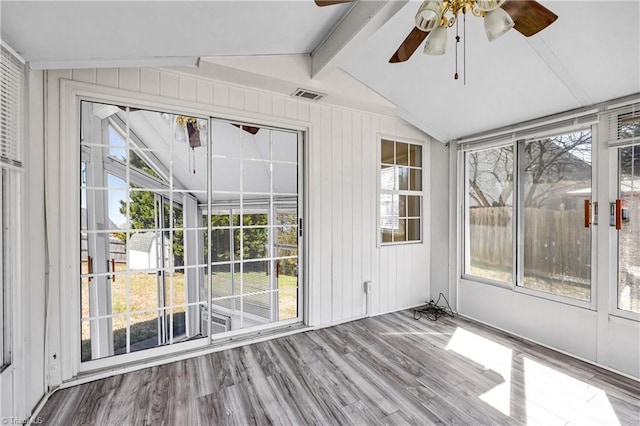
(216, 346)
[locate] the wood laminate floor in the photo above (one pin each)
(389, 369)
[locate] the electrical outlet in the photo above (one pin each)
(368, 287)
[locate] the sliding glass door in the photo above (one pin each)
(255, 224)
(189, 229)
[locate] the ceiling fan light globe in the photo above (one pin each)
(436, 43)
(496, 23)
(428, 15)
(488, 5)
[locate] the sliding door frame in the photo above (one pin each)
(64, 333)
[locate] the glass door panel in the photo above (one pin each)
(255, 223)
(141, 186)
(629, 233)
(556, 182)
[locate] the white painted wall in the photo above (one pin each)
(610, 341)
(341, 192)
(439, 237)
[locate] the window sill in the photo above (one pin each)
(533, 293)
(625, 317)
(400, 243)
(488, 281)
(555, 298)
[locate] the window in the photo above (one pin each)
(400, 192)
(4, 318)
(628, 241)
(543, 183)
(554, 183)
(489, 204)
(624, 139)
(11, 86)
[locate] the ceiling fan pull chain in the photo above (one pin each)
(455, 76)
(464, 46)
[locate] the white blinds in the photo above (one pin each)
(11, 84)
(536, 129)
(624, 125)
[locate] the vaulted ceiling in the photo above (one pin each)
(590, 54)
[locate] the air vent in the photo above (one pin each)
(307, 94)
(219, 322)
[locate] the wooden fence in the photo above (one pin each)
(556, 241)
(117, 249)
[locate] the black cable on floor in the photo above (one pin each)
(432, 310)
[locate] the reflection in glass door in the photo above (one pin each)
(169, 253)
(143, 177)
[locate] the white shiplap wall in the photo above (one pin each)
(342, 171)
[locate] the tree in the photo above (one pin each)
(629, 128)
(485, 169)
(288, 235)
(550, 165)
(255, 240)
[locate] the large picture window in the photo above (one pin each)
(400, 192)
(555, 182)
(543, 185)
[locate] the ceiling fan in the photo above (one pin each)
(528, 17)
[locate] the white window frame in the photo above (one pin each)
(613, 193)
(10, 266)
(614, 241)
(5, 346)
(380, 191)
(11, 169)
(518, 231)
(464, 196)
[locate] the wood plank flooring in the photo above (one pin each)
(389, 369)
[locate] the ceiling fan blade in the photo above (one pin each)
(322, 3)
(409, 45)
(248, 129)
(530, 17)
